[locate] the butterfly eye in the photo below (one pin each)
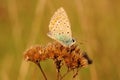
(73, 40)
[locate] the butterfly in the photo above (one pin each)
(60, 29)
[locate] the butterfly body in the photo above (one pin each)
(59, 28)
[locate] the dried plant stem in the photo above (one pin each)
(65, 74)
(58, 75)
(38, 64)
(76, 73)
(58, 66)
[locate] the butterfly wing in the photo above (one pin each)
(59, 27)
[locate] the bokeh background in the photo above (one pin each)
(95, 23)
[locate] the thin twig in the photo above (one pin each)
(65, 74)
(58, 67)
(58, 75)
(41, 70)
(76, 73)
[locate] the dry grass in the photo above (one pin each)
(25, 23)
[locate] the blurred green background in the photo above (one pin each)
(95, 23)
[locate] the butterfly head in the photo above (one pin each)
(71, 42)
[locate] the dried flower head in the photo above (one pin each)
(72, 57)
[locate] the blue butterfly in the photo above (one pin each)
(60, 29)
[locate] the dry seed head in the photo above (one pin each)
(73, 57)
(34, 54)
